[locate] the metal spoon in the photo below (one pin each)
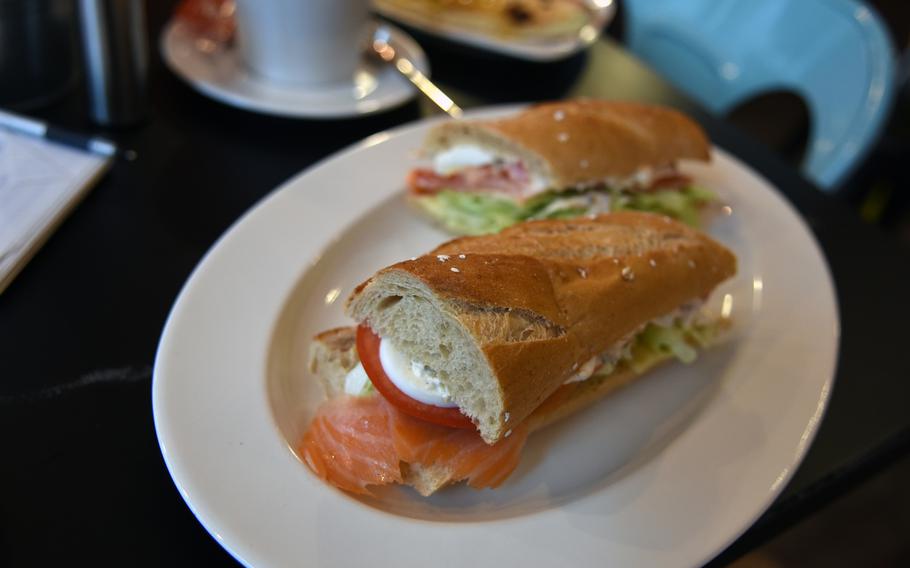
(381, 46)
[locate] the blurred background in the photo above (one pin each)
(41, 66)
(878, 188)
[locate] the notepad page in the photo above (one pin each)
(40, 182)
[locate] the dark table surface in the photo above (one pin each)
(83, 479)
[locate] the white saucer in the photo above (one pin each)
(219, 73)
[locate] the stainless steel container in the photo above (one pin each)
(115, 48)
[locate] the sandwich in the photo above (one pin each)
(560, 160)
(459, 354)
(508, 19)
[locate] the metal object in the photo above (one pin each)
(382, 47)
(38, 49)
(116, 59)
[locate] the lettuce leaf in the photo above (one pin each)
(678, 340)
(481, 213)
(471, 213)
(683, 204)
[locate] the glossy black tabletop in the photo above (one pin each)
(82, 477)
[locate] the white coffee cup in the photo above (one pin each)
(303, 42)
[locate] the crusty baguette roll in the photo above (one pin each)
(333, 355)
(505, 319)
(582, 142)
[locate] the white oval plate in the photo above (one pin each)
(219, 73)
(666, 473)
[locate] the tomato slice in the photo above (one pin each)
(368, 351)
(670, 181)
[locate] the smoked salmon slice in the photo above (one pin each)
(462, 452)
(348, 444)
(357, 442)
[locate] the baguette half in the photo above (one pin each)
(505, 319)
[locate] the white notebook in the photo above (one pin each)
(40, 183)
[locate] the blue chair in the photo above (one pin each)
(835, 54)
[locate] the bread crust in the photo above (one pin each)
(583, 142)
(332, 354)
(569, 289)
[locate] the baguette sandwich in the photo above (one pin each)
(461, 353)
(560, 160)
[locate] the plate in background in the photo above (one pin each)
(542, 49)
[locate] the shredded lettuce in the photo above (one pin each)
(481, 213)
(683, 204)
(471, 213)
(655, 343)
(705, 334)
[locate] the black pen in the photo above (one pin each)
(95, 144)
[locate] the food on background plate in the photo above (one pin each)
(561, 160)
(505, 19)
(461, 353)
(210, 20)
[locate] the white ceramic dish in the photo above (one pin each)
(666, 473)
(219, 73)
(542, 50)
